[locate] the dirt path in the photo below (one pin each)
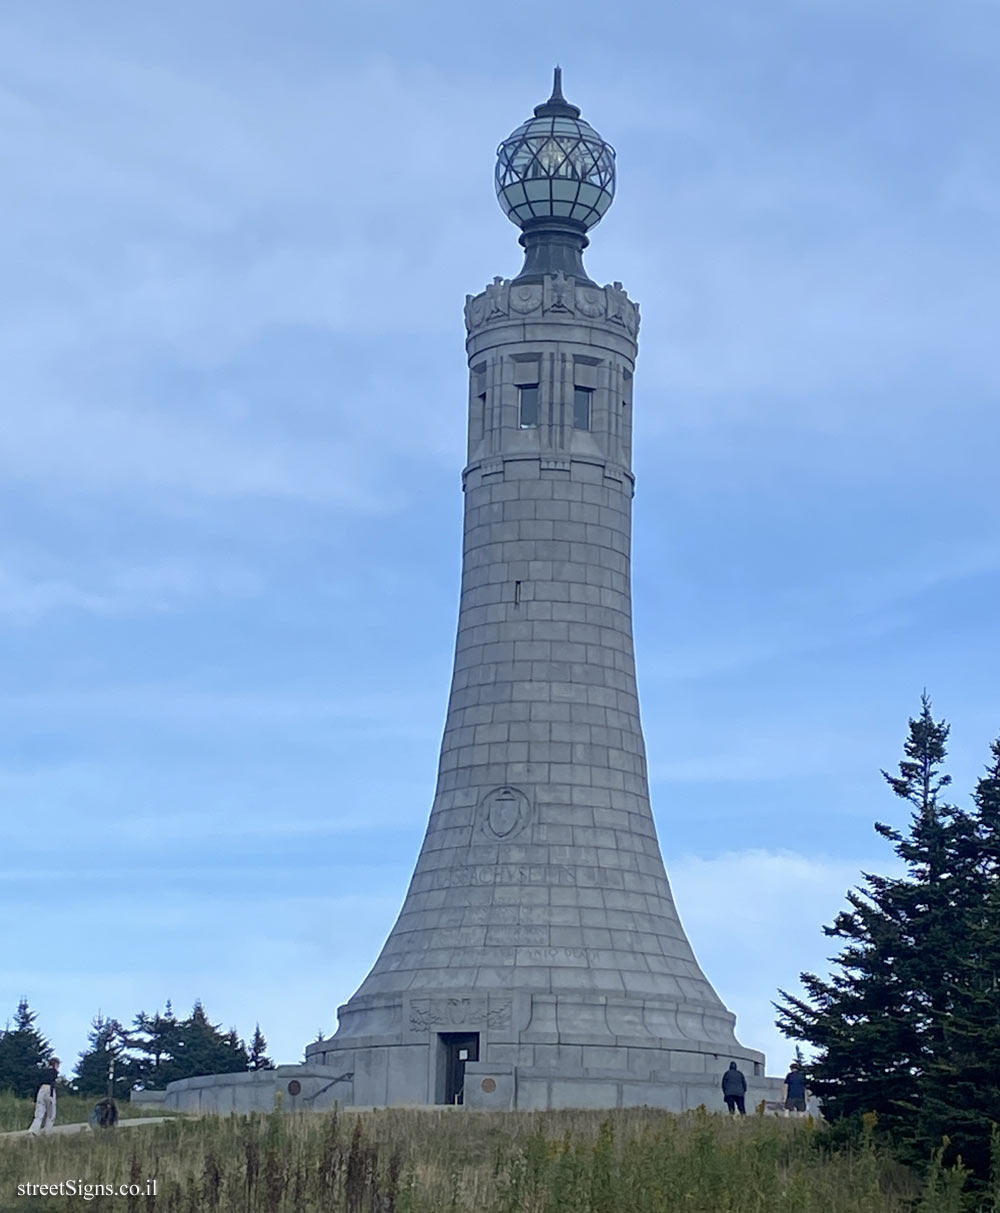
(128, 1123)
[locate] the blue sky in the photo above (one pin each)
(237, 240)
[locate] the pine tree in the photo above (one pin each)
(23, 1053)
(879, 1021)
(108, 1043)
(257, 1058)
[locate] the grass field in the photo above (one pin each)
(454, 1161)
(71, 1109)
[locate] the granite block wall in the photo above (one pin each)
(539, 916)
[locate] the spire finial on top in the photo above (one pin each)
(557, 106)
(555, 178)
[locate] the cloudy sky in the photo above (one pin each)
(236, 240)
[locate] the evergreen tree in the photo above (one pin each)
(108, 1043)
(200, 1048)
(184, 1048)
(257, 1058)
(879, 1021)
(23, 1053)
(961, 1088)
(942, 854)
(156, 1044)
(909, 1024)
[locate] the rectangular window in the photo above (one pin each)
(581, 408)
(482, 413)
(528, 406)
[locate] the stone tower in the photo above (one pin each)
(538, 959)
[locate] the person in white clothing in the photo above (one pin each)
(45, 1100)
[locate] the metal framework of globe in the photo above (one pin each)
(555, 167)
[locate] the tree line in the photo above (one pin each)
(157, 1049)
(905, 1032)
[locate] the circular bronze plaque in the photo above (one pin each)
(294, 1087)
(489, 1085)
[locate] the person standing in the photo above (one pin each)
(734, 1088)
(795, 1091)
(45, 1100)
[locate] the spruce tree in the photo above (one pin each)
(879, 1021)
(200, 1048)
(184, 1048)
(257, 1058)
(108, 1042)
(941, 852)
(24, 1051)
(155, 1040)
(961, 1087)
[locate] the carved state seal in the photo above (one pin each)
(504, 812)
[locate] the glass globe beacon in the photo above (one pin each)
(555, 166)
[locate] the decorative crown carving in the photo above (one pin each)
(556, 297)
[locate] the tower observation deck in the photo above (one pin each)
(538, 959)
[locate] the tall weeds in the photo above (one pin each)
(436, 1161)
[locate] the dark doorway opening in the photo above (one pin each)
(458, 1048)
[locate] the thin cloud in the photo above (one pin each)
(234, 405)
(755, 918)
(27, 597)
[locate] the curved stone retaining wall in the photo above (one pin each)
(301, 1089)
(306, 1088)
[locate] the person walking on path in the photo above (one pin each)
(795, 1091)
(734, 1088)
(45, 1100)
